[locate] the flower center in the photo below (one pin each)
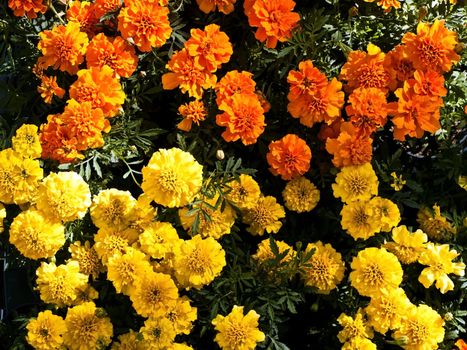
(373, 274)
(168, 180)
(357, 185)
(236, 334)
(417, 332)
(429, 53)
(371, 76)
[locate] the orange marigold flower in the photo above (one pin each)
(289, 157)
(30, 8)
(432, 48)
(39, 67)
(83, 12)
(414, 114)
(330, 131)
(100, 87)
(102, 7)
(366, 69)
(244, 118)
(49, 88)
(116, 52)
(461, 345)
(399, 66)
(273, 18)
(323, 105)
(192, 112)
(63, 47)
(387, 5)
(146, 22)
(185, 74)
(210, 47)
(224, 6)
(350, 147)
(234, 82)
(428, 83)
(367, 109)
(306, 81)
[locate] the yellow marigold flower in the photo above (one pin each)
(109, 242)
(60, 285)
(85, 294)
(45, 332)
(386, 310)
(154, 294)
(358, 219)
(199, 262)
(244, 192)
(386, 213)
(35, 236)
(406, 246)
(300, 195)
(326, 268)
(144, 214)
(264, 252)
(374, 269)
(435, 225)
(397, 181)
(26, 141)
(2, 216)
(439, 258)
(182, 315)
(237, 331)
(421, 328)
(356, 183)
(359, 343)
(63, 47)
(158, 239)
(87, 258)
(124, 269)
(87, 328)
(172, 177)
(130, 341)
(113, 209)
(179, 346)
(158, 332)
(219, 223)
(64, 196)
(264, 216)
(354, 329)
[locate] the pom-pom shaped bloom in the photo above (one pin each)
(274, 19)
(243, 117)
(421, 328)
(64, 196)
(435, 225)
(356, 331)
(116, 53)
(289, 157)
(87, 258)
(113, 209)
(308, 80)
(26, 141)
(192, 112)
(430, 83)
(109, 242)
(326, 267)
(432, 47)
(182, 314)
(238, 331)
(158, 331)
(60, 285)
(172, 177)
(130, 341)
(373, 270)
(158, 239)
(45, 332)
(99, 86)
(146, 23)
(199, 262)
(30, 8)
(439, 258)
(386, 213)
(102, 7)
(35, 236)
(399, 66)
(300, 195)
(234, 82)
(356, 183)
(83, 13)
(63, 47)
(87, 327)
(264, 216)
(224, 6)
(210, 47)
(244, 192)
(407, 246)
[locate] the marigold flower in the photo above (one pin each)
(26, 141)
(264, 252)
(192, 112)
(355, 330)
(130, 341)
(87, 327)
(115, 52)
(158, 331)
(210, 47)
(244, 192)
(110, 242)
(461, 345)
(274, 20)
(358, 219)
(435, 225)
(87, 258)
(234, 82)
(306, 81)
(356, 183)
(439, 258)
(49, 88)
(238, 331)
(421, 328)
(386, 213)
(146, 22)
(300, 195)
(158, 239)
(45, 332)
(224, 6)
(182, 315)
(366, 69)
(428, 83)
(99, 86)
(83, 12)
(387, 4)
(432, 48)
(102, 7)
(244, 118)
(264, 216)
(63, 47)
(2, 216)
(399, 66)
(397, 181)
(350, 147)
(289, 157)
(407, 246)
(172, 177)
(184, 73)
(30, 8)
